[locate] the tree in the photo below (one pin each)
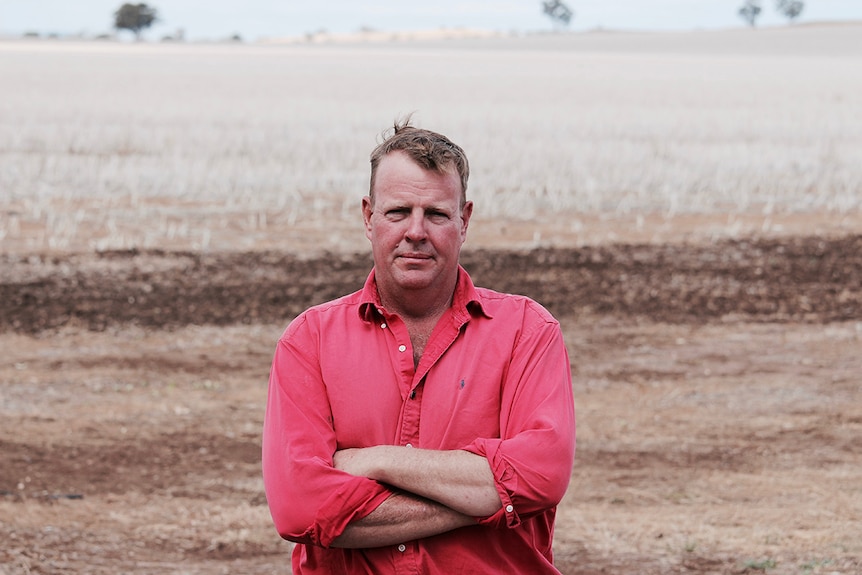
(135, 17)
(557, 11)
(750, 11)
(790, 8)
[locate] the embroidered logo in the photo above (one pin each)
(461, 385)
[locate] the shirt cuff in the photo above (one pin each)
(332, 521)
(505, 480)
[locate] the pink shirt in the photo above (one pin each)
(494, 379)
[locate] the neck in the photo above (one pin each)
(416, 306)
(420, 304)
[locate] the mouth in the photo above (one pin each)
(414, 256)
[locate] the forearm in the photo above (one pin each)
(402, 517)
(456, 479)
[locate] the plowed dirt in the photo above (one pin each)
(718, 388)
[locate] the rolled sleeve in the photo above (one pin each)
(310, 501)
(532, 460)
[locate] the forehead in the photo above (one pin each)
(399, 176)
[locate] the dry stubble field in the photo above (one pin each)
(705, 260)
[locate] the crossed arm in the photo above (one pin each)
(440, 491)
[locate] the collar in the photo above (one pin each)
(466, 302)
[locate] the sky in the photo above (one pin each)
(259, 19)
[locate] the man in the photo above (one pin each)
(421, 424)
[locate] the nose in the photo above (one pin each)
(416, 231)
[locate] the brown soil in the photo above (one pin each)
(718, 386)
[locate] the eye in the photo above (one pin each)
(437, 216)
(396, 214)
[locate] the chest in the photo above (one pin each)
(377, 395)
(419, 333)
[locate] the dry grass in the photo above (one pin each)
(241, 147)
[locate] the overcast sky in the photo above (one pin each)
(254, 19)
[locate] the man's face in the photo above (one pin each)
(416, 226)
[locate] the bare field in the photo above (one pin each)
(688, 205)
(717, 388)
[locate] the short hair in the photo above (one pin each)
(430, 150)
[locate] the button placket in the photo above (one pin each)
(410, 416)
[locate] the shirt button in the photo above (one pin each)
(402, 348)
(409, 445)
(383, 325)
(509, 509)
(402, 548)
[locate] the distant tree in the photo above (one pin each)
(135, 17)
(790, 8)
(750, 11)
(557, 11)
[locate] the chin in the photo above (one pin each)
(414, 279)
(413, 283)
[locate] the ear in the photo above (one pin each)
(367, 210)
(466, 213)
